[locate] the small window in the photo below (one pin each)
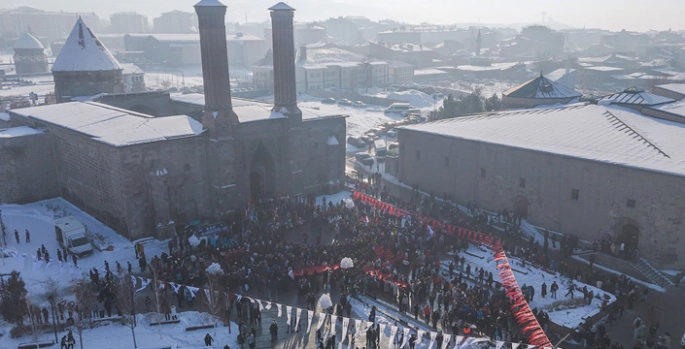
(447, 161)
(418, 155)
(575, 194)
(482, 172)
(522, 182)
(630, 203)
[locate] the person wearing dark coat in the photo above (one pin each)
(543, 290)
(208, 340)
(273, 330)
(554, 289)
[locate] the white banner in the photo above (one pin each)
(280, 313)
(192, 290)
(345, 324)
(405, 331)
(499, 345)
(209, 296)
(357, 328)
(419, 336)
(288, 310)
(161, 285)
(135, 282)
(310, 317)
(457, 341)
(261, 307)
(369, 324)
(393, 333)
(297, 318)
(267, 306)
(446, 341)
(433, 335)
(145, 283)
(322, 319)
(334, 320)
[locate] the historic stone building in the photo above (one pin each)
(85, 67)
(612, 168)
(29, 56)
(144, 163)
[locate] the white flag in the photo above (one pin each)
(145, 283)
(261, 307)
(457, 341)
(297, 317)
(209, 296)
(334, 320)
(499, 345)
(288, 310)
(419, 336)
(310, 317)
(267, 306)
(393, 333)
(161, 285)
(322, 319)
(345, 324)
(280, 313)
(446, 341)
(134, 281)
(405, 331)
(357, 328)
(192, 290)
(433, 335)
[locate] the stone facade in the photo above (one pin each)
(70, 84)
(27, 170)
(565, 194)
(30, 61)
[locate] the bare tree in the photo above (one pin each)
(85, 298)
(158, 295)
(213, 297)
(126, 300)
(53, 294)
(34, 317)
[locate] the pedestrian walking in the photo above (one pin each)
(16, 235)
(28, 236)
(273, 330)
(554, 289)
(208, 340)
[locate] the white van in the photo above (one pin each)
(71, 235)
(398, 108)
(381, 148)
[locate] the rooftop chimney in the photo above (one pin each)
(285, 94)
(217, 85)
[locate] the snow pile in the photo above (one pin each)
(415, 98)
(325, 301)
(214, 269)
(346, 263)
(194, 241)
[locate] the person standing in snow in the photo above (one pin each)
(74, 259)
(16, 235)
(59, 255)
(273, 330)
(571, 288)
(208, 340)
(543, 290)
(554, 289)
(28, 236)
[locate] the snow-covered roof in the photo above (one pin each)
(281, 6)
(541, 87)
(677, 88)
(676, 108)
(558, 74)
(27, 42)
(114, 126)
(209, 3)
(248, 110)
(603, 68)
(18, 132)
(83, 51)
(4, 116)
(634, 96)
(130, 69)
(609, 134)
(429, 71)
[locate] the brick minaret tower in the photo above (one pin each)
(218, 118)
(285, 91)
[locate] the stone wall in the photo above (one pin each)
(541, 186)
(323, 163)
(155, 103)
(27, 170)
(86, 83)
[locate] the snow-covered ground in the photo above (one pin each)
(416, 99)
(359, 121)
(531, 276)
(113, 335)
(188, 77)
(37, 218)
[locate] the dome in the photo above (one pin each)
(28, 42)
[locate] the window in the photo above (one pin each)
(418, 155)
(447, 161)
(482, 172)
(630, 203)
(522, 182)
(575, 194)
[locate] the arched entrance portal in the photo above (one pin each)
(630, 236)
(262, 174)
(521, 206)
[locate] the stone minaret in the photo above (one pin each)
(218, 118)
(478, 43)
(285, 92)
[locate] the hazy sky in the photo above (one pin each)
(638, 15)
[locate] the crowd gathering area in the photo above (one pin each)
(421, 264)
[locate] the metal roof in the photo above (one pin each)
(635, 96)
(541, 88)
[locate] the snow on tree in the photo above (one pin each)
(214, 269)
(213, 296)
(325, 301)
(13, 299)
(126, 301)
(85, 297)
(194, 241)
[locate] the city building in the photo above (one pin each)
(536, 92)
(47, 25)
(29, 56)
(593, 170)
(399, 37)
(175, 22)
(85, 67)
(534, 41)
(134, 78)
(144, 163)
(310, 35)
(417, 55)
(128, 22)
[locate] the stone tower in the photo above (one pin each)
(218, 118)
(285, 95)
(85, 67)
(29, 55)
(478, 43)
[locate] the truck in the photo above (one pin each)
(71, 235)
(381, 148)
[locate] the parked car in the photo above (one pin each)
(344, 101)
(367, 140)
(364, 158)
(359, 104)
(392, 133)
(328, 101)
(397, 108)
(411, 111)
(356, 142)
